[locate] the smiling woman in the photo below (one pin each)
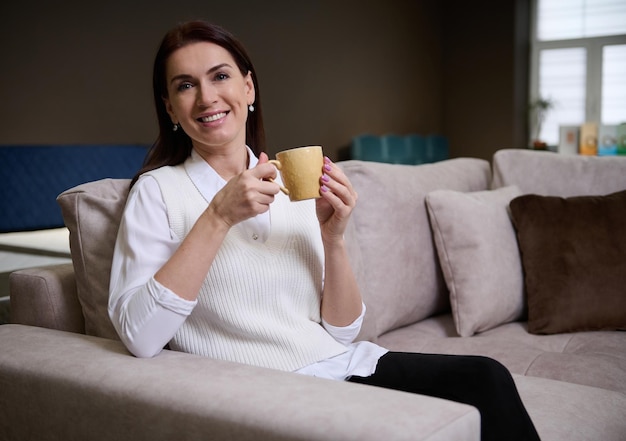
(231, 269)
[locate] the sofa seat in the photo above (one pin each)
(589, 358)
(567, 411)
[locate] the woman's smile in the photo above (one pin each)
(212, 118)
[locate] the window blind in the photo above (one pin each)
(569, 19)
(614, 84)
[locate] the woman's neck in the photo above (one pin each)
(227, 164)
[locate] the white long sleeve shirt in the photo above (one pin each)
(147, 315)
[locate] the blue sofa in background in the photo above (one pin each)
(34, 175)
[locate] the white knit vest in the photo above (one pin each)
(260, 302)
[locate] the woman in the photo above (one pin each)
(211, 258)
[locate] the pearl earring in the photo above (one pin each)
(176, 127)
(251, 108)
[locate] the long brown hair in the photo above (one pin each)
(173, 147)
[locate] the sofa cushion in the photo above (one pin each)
(594, 358)
(551, 174)
(390, 240)
(572, 412)
(479, 256)
(574, 257)
(92, 212)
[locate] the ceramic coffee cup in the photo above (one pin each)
(301, 170)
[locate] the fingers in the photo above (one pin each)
(248, 193)
(263, 169)
(243, 197)
(263, 158)
(336, 187)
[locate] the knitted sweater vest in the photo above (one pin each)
(260, 302)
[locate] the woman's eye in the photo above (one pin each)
(221, 76)
(183, 86)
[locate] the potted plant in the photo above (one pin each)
(538, 110)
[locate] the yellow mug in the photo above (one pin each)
(301, 170)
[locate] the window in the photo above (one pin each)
(578, 63)
(613, 88)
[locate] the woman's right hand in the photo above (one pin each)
(246, 195)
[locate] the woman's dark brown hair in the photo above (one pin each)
(173, 147)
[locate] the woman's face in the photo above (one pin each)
(208, 96)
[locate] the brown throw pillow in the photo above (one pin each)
(574, 258)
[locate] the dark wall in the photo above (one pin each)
(329, 69)
(485, 75)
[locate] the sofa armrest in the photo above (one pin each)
(59, 385)
(46, 297)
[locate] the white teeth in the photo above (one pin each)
(213, 117)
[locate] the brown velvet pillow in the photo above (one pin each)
(574, 258)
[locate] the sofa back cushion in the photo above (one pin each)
(551, 174)
(390, 242)
(92, 212)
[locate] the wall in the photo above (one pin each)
(329, 69)
(485, 76)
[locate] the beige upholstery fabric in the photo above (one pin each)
(571, 412)
(590, 358)
(92, 213)
(551, 174)
(400, 286)
(479, 256)
(74, 387)
(46, 297)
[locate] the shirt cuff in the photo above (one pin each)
(168, 299)
(346, 334)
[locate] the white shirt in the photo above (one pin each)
(146, 314)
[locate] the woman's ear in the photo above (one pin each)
(250, 91)
(170, 111)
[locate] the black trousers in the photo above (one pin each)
(479, 381)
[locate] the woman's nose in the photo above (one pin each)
(206, 95)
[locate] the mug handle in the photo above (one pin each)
(278, 166)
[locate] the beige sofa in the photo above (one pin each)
(444, 265)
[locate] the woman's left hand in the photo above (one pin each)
(337, 201)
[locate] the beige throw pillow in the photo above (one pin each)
(390, 242)
(92, 212)
(479, 256)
